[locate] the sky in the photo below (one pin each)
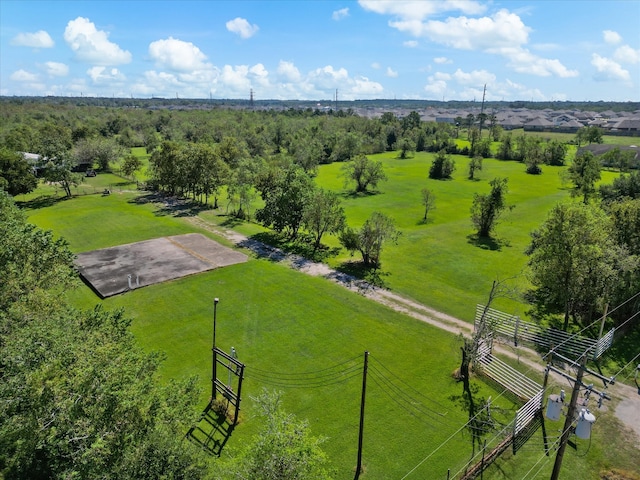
(533, 50)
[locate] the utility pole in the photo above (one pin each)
(213, 352)
(482, 109)
(569, 420)
(360, 434)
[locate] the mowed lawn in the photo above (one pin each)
(284, 322)
(441, 263)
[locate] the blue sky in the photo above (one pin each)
(536, 50)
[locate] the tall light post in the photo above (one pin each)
(213, 351)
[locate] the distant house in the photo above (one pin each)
(512, 123)
(538, 124)
(627, 125)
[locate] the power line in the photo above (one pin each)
(630, 362)
(309, 382)
(332, 375)
(593, 323)
(401, 402)
(409, 386)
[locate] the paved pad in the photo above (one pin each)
(115, 270)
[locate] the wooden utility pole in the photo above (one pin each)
(360, 434)
(566, 431)
(214, 358)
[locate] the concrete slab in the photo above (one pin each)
(115, 270)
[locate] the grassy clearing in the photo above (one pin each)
(283, 321)
(441, 263)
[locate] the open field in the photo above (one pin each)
(281, 321)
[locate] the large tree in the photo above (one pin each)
(442, 166)
(323, 214)
(16, 175)
(97, 150)
(570, 262)
(487, 208)
(369, 240)
(364, 172)
(285, 197)
(54, 147)
(584, 172)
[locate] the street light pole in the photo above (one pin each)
(213, 352)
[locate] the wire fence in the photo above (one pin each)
(518, 331)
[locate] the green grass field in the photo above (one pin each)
(282, 321)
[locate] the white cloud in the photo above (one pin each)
(435, 87)
(523, 61)
(469, 85)
(410, 44)
(442, 60)
(327, 78)
(476, 77)
(362, 86)
(289, 72)
(177, 55)
(93, 46)
(56, 69)
(607, 69)
(102, 75)
(626, 54)
(340, 14)
(391, 73)
(23, 76)
(502, 33)
(376, 66)
(611, 37)
(503, 29)
(39, 39)
(242, 27)
(420, 9)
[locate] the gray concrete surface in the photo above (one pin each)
(152, 261)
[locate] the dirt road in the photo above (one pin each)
(627, 408)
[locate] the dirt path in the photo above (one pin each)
(627, 408)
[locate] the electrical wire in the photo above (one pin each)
(412, 406)
(629, 363)
(310, 379)
(404, 396)
(339, 377)
(407, 384)
(313, 372)
(595, 322)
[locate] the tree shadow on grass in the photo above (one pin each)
(351, 194)
(212, 431)
(372, 276)
(173, 206)
(40, 202)
(276, 247)
(231, 221)
(422, 221)
(487, 243)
